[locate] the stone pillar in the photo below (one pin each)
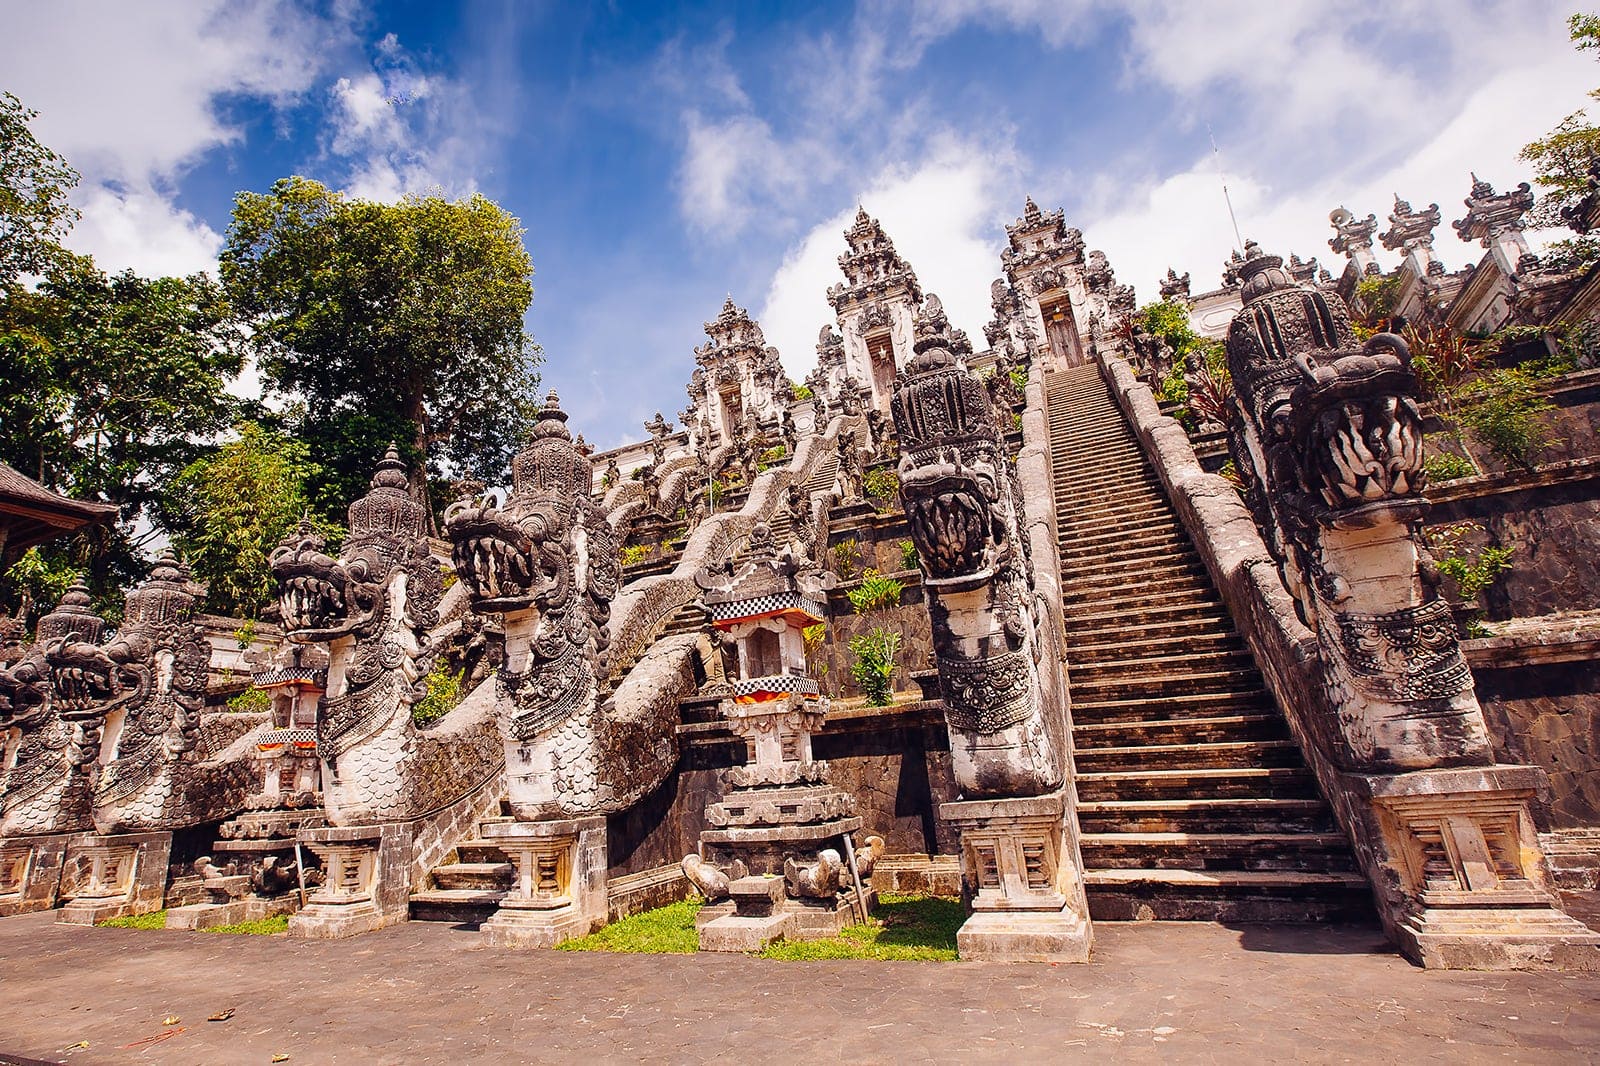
(115, 876)
(30, 872)
(366, 881)
(1017, 877)
(560, 890)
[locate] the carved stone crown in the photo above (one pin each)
(387, 510)
(551, 465)
(937, 402)
(72, 617)
(166, 597)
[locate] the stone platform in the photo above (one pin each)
(426, 993)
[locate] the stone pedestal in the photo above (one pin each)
(758, 917)
(114, 876)
(366, 880)
(30, 872)
(560, 890)
(1462, 845)
(1017, 877)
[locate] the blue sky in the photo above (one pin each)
(662, 157)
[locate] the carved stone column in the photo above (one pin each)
(560, 890)
(366, 882)
(114, 876)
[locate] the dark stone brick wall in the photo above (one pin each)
(895, 762)
(1548, 715)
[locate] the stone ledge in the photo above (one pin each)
(1546, 476)
(1553, 638)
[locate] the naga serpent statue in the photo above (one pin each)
(146, 690)
(962, 503)
(372, 608)
(548, 560)
(1326, 433)
(48, 785)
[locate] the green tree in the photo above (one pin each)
(229, 509)
(1567, 165)
(410, 311)
(109, 386)
(34, 213)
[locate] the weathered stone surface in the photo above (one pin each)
(114, 876)
(30, 872)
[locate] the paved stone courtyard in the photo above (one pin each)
(426, 993)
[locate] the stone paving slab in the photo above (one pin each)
(430, 993)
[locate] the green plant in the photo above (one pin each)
(444, 692)
(150, 920)
(846, 557)
(1016, 423)
(908, 555)
(874, 665)
(245, 635)
(1376, 297)
(1474, 569)
(250, 701)
(666, 930)
(1019, 377)
(919, 928)
(875, 593)
(635, 553)
(1448, 466)
(1504, 411)
(883, 484)
(801, 392)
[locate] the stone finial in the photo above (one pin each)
(1174, 286)
(1352, 235)
(1410, 230)
(1490, 214)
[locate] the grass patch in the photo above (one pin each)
(666, 930)
(921, 928)
(278, 923)
(153, 920)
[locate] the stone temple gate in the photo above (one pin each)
(982, 623)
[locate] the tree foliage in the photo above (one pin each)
(109, 386)
(377, 314)
(229, 509)
(34, 212)
(1567, 159)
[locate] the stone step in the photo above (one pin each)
(1222, 729)
(1108, 469)
(1168, 708)
(1201, 755)
(1281, 782)
(1321, 852)
(1109, 628)
(1090, 501)
(1080, 655)
(478, 850)
(1133, 602)
(1227, 896)
(1072, 558)
(1252, 814)
(1162, 686)
(461, 906)
(1105, 617)
(1134, 665)
(490, 876)
(1112, 539)
(1074, 531)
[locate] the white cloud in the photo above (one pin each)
(142, 230)
(128, 92)
(941, 216)
(1182, 220)
(730, 168)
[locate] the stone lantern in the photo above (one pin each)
(778, 860)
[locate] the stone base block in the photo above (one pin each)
(114, 876)
(367, 883)
(1512, 938)
(30, 872)
(323, 922)
(733, 933)
(248, 909)
(516, 927)
(1023, 936)
(918, 875)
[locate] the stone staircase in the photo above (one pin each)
(469, 885)
(1194, 801)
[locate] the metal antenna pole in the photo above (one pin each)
(1216, 154)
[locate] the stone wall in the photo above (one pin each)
(1550, 518)
(1540, 689)
(895, 761)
